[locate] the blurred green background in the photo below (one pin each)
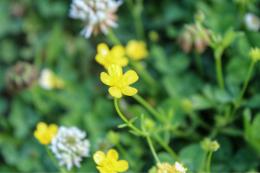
(41, 33)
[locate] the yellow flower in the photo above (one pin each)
(168, 168)
(109, 163)
(136, 50)
(44, 133)
(255, 54)
(108, 57)
(119, 82)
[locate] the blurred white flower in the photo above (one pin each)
(48, 80)
(179, 167)
(98, 15)
(70, 146)
(252, 22)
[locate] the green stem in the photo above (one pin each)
(122, 116)
(167, 148)
(149, 141)
(219, 71)
(146, 105)
(113, 38)
(243, 90)
(54, 160)
(208, 162)
(246, 82)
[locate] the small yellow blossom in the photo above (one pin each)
(44, 133)
(136, 50)
(255, 54)
(168, 168)
(119, 82)
(109, 163)
(48, 80)
(108, 57)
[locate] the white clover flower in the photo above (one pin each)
(98, 15)
(70, 146)
(179, 168)
(48, 80)
(252, 22)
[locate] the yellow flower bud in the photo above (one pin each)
(136, 50)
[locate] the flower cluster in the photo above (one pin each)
(97, 15)
(113, 60)
(168, 168)
(193, 37)
(70, 146)
(109, 163)
(48, 80)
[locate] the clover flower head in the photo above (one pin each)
(168, 168)
(109, 163)
(252, 22)
(48, 80)
(107, 57)
(70, 146)
(210, 145)
(255, 54)
(118, 82)
(44, 133)
(98, 15)
(136, 50)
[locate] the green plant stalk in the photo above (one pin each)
(208, 162)
(166, 147)
(113, 38)
(219, 72)
(62, 170)
(149, 141)
(146, 105)
(246, 82)
(129, 124)
(136, 130)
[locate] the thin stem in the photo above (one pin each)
(248, 77)
(54, 160)
(166, 147)
(149, 141)
(219, 71)
(243, 90)
(208, 162)
(138, 19)
(113, 38)
(143, 102)
(122, 116)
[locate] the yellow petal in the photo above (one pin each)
(118, 51)
(53, 128)
(122, 165)
(103, 49)
(130, 77)
(123, 61)
(105, 78)
(100, 59)
(115, 92)
(129, 91)
(112, 154)
(41, 126)
(99, 157)
(115, 70)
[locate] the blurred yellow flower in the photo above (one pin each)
(119, 82)
(255, 54)
(44, 133)
(168, 168)
(136, 50)
(108, 57)
(48, 80)
(109, 163)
